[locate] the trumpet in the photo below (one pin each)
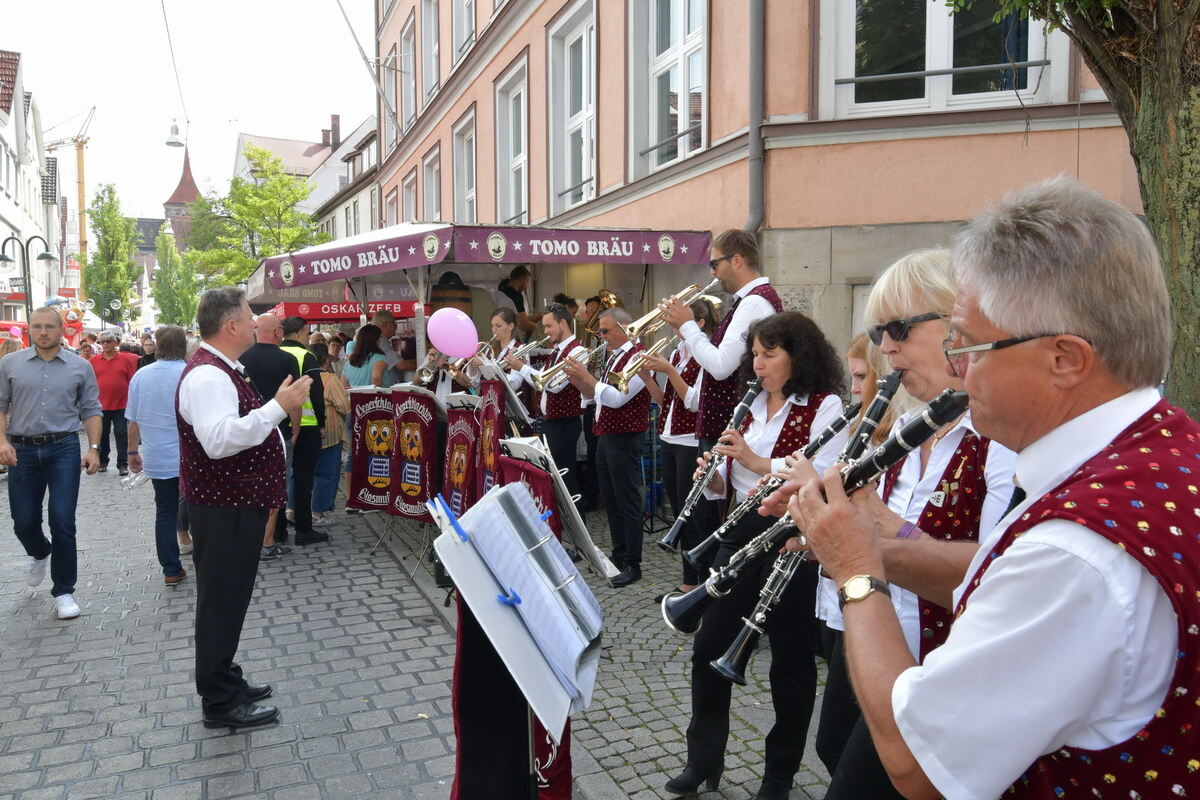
(650, 322)
(455, 368)
(553, 376)
(638, 363)
(428, 372)
(684, 612)
(524, 350)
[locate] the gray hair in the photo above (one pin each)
(618, 314)
(1059, 258)
(216, 306)
(108, 336)
(918, 283)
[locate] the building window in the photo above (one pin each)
(349, 222)
(392, 206)
(409, 197)
(389, 88)
(433, 185)
(464, 27)
(430, 61)
(408, 74)
(357, 218)
(572, 108)
(668, 99)
(893, 43)
(464, 170)
(512, 141)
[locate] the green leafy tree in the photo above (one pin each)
(259, 217)
(1146, 55)
(175, 288)
(111, 272)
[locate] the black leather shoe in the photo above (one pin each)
(627, 576)
(688, 782)
(774, 788)
(257, 691)
(303, 539)
(247, 715)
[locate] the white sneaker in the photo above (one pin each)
(37, 571)
(321, 520)
(66, 607)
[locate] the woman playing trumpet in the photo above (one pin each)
(801, 378)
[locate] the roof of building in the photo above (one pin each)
(186, 191)
(299, 158)
(147, 230)
(9, 62)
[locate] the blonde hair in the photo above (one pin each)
(917, 283)
(877, 366)
(10, 346)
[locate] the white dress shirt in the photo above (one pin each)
(609, 396)
(722, 360)
(208, 401)
(691, 401)
(575, 349)
(1067, 640)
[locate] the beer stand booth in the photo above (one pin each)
(408, 267)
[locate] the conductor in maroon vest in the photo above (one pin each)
(735, 263)
(231, 472)
(620, 427)
(1073, 665)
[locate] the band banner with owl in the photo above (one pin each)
(372, 438)
(459, 484)
(415, 454)
(491, 429)
(540, 485)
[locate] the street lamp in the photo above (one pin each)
(23, 249)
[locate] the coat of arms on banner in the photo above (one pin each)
(379, 437)
(459, 459)
(410, 468)
(487, 439)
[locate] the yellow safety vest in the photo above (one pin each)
(308, 417)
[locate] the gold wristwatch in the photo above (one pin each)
(858, 587)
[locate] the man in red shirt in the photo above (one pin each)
(114, 371)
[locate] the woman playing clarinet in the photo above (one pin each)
(801, 378)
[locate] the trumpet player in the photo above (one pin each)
(436, 375)
(503, 324)
(801, 380)
(621, 419)
(560, 405)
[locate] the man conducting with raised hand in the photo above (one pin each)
(232, 471)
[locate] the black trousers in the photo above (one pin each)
(619, 468)
(791, 628)
(226, 545)
(860, 773)
(591, 482)
(114, 421)
(708, 514)
(678, 464)
(562, 437)
(839, 709)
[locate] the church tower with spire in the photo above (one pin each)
(176, 208)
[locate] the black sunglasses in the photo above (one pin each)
(898, 329)
(713, 263)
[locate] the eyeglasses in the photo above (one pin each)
(955, 356)
(898, 329)
(712, 264)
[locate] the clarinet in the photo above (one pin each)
(683, 612)
(670, 542)
(732, 665)
(755, 498)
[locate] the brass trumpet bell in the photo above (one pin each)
(608, 299)
(651, 321)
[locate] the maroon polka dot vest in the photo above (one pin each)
(560, 405)
(683, 422)
(253, 478)
(634, 416)
(797, 426)
(1142, 492)
(718, 398)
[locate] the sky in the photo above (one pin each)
(268, 67)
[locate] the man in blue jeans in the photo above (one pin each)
(150, 411)
(44, 391)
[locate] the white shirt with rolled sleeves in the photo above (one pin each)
(527, 372)
(208, 402)
(609, 396)
(1067, 640)
(691, 401)
(722, 360)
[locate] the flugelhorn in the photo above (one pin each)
(638, 363)
(683, 612)
(553, 376)
(650, 322)
(524, 350)
(427, 372)
(670, 542)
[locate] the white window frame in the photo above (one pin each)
(391, 207)
(357, 220)
(1045, 84)
(463, 26)
(512, 192)
(408, 197)
(391, 135)
(374, 207)
(466, 172)
(579, 23)
(430, 50)
(408, 73)
(431, 167)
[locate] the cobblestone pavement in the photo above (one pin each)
(360, 656)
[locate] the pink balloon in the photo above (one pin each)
(453, 333)
(15, 332)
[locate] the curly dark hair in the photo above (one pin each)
(815, 364)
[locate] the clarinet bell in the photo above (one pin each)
(732, 665)
(684, 612)
(670, 542)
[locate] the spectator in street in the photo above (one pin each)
(337, 359)
(316, 337)
(364, 367)
(231, 472)
(114, 370)
(386, 321)
(92, 343)
(39, 440)
(306, 441)
(511, 294)
(151, 415)
(148, 350)
(328, 468)
(10, 346)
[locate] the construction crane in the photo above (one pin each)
(79, 140)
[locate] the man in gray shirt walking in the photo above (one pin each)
(44, 391)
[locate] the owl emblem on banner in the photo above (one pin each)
(379, 436)
(458, 477)
(487, 439)
(410, 468)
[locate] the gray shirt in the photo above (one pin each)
(43, 396)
